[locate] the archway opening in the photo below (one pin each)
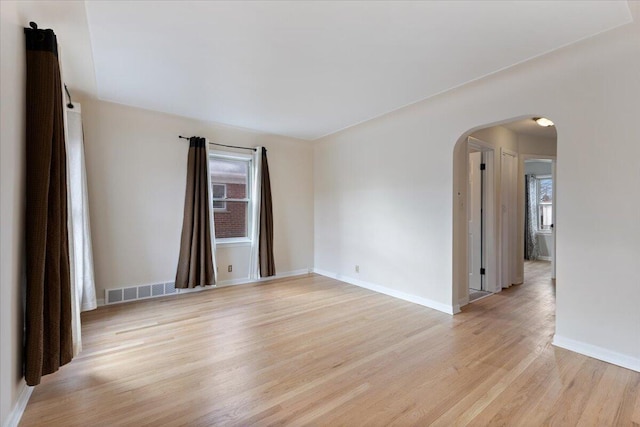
(492, 205)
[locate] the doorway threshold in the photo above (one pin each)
(475, 295)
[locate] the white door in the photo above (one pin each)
(508, 186)
(475, 221)
(552, 249)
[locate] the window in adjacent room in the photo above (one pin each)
(231, 190)
(545, 203)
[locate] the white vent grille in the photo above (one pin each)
(132, 293)
(144, 291)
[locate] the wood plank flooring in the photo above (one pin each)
(314, 351)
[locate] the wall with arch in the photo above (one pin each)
(400, 166)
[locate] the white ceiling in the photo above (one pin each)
(530, 127)
(308, 69)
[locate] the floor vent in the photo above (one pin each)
(132, 293)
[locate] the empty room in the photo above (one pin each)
(362, 213)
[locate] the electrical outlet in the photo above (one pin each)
(357, 269)
(230, 268)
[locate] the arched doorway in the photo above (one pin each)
(489, 204)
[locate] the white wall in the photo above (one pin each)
(136, 174)
(12, 152)
(384, 189)
(538, 146)
(536, 167)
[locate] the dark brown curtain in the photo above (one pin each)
(265, 245)
(48, 338)
(195, 265)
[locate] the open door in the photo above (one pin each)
(481, 222)
(475, 236)
(553, 224)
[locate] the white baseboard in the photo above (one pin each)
(18, 409)
(544, 258)
(426, 302)
(246, 280)
(597, 352)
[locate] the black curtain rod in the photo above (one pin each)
(222, 145)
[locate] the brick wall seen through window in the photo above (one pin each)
(231, 196)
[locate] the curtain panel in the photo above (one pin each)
(261, 260)
(48, 332)
(83, 290)
(256, 191)
(265, 245)
(531, 251)
(196, 259)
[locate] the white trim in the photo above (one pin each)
(229, 155)
(597, 352)
(232, 242)
(180, 291)
(544, 258)
(245, 280)
(18, 409)
(426, 302)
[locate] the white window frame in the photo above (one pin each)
(225, 155)
(539, 204)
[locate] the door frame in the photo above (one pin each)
(523, 158)
(489, 241)
(475, 209)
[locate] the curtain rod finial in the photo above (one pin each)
(33, 25)
(70, 104)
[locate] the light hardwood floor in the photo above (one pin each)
(312, 350)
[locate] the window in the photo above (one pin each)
(231, 190)
(545, 203)
(219, 192)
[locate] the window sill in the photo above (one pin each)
(231, 243)
(544, 233)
